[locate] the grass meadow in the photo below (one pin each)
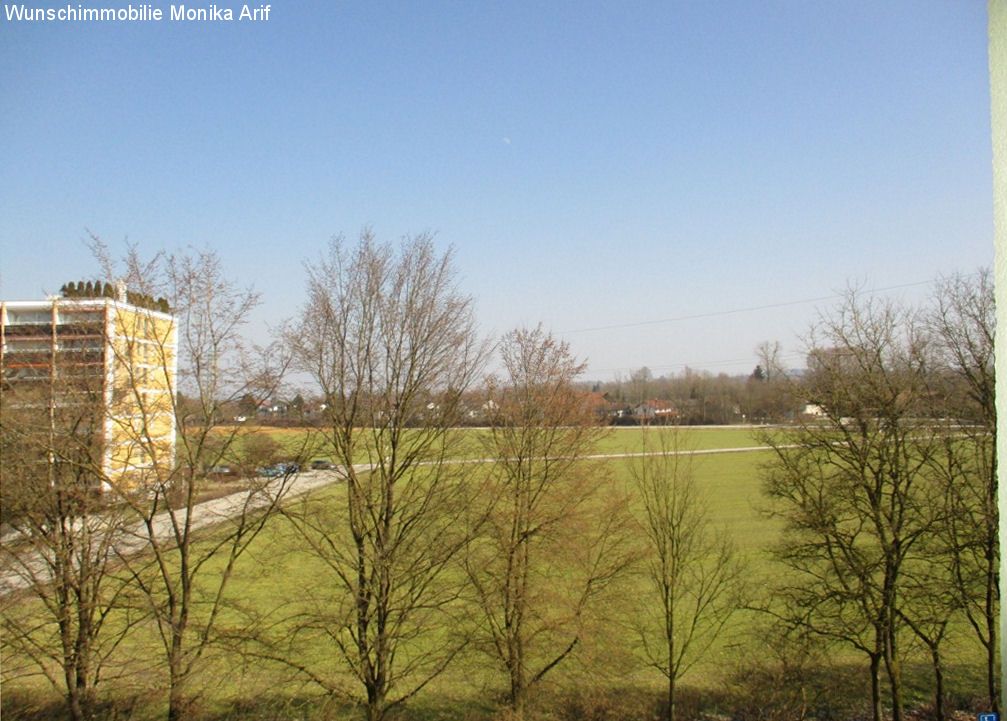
(606, 678)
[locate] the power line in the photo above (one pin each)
(750, 309)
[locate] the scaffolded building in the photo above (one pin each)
(88, 388)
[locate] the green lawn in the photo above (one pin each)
(631, 440)
(469, 443)
(275, 570)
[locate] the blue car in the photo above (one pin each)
(278, 470)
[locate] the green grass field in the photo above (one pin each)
(276, 575)
(305, 444)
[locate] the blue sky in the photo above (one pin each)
(592, 164)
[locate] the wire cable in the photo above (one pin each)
(733, 311)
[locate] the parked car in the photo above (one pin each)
(320, 464)
(219, 473)
(278, 469)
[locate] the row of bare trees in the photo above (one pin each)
(421, 557)
(889, 498)
(513, 554)
(700, 397)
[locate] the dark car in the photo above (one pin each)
(220, 473)
(279, 469)
(320, 464)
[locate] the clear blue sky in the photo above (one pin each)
(592, 164)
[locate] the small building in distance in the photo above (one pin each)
(656, 411)
(87, 387)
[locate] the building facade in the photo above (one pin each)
(88, 385)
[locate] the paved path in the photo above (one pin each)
(20, 572)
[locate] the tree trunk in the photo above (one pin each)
(518, 697)
(894, 672)
(935, 656)
(992, 622)
(876, 713)
(515, 641)
(176, 705)
(177, 702)
(77, 699)
(670, 715)
(669, 637)
(73, 702)
(85, 696)
(375, 703)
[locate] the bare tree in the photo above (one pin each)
(769, 388)
(962, 322)
(641, 380)
(393, 345)
(556, 536)
(691, 569)
(853, 489)
(59, 529)
(770, 359)
(929, 604)
(181, 572)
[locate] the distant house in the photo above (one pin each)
(814, 410)
(600, 405)
(656, 411)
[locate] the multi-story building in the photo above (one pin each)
(88, 387)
